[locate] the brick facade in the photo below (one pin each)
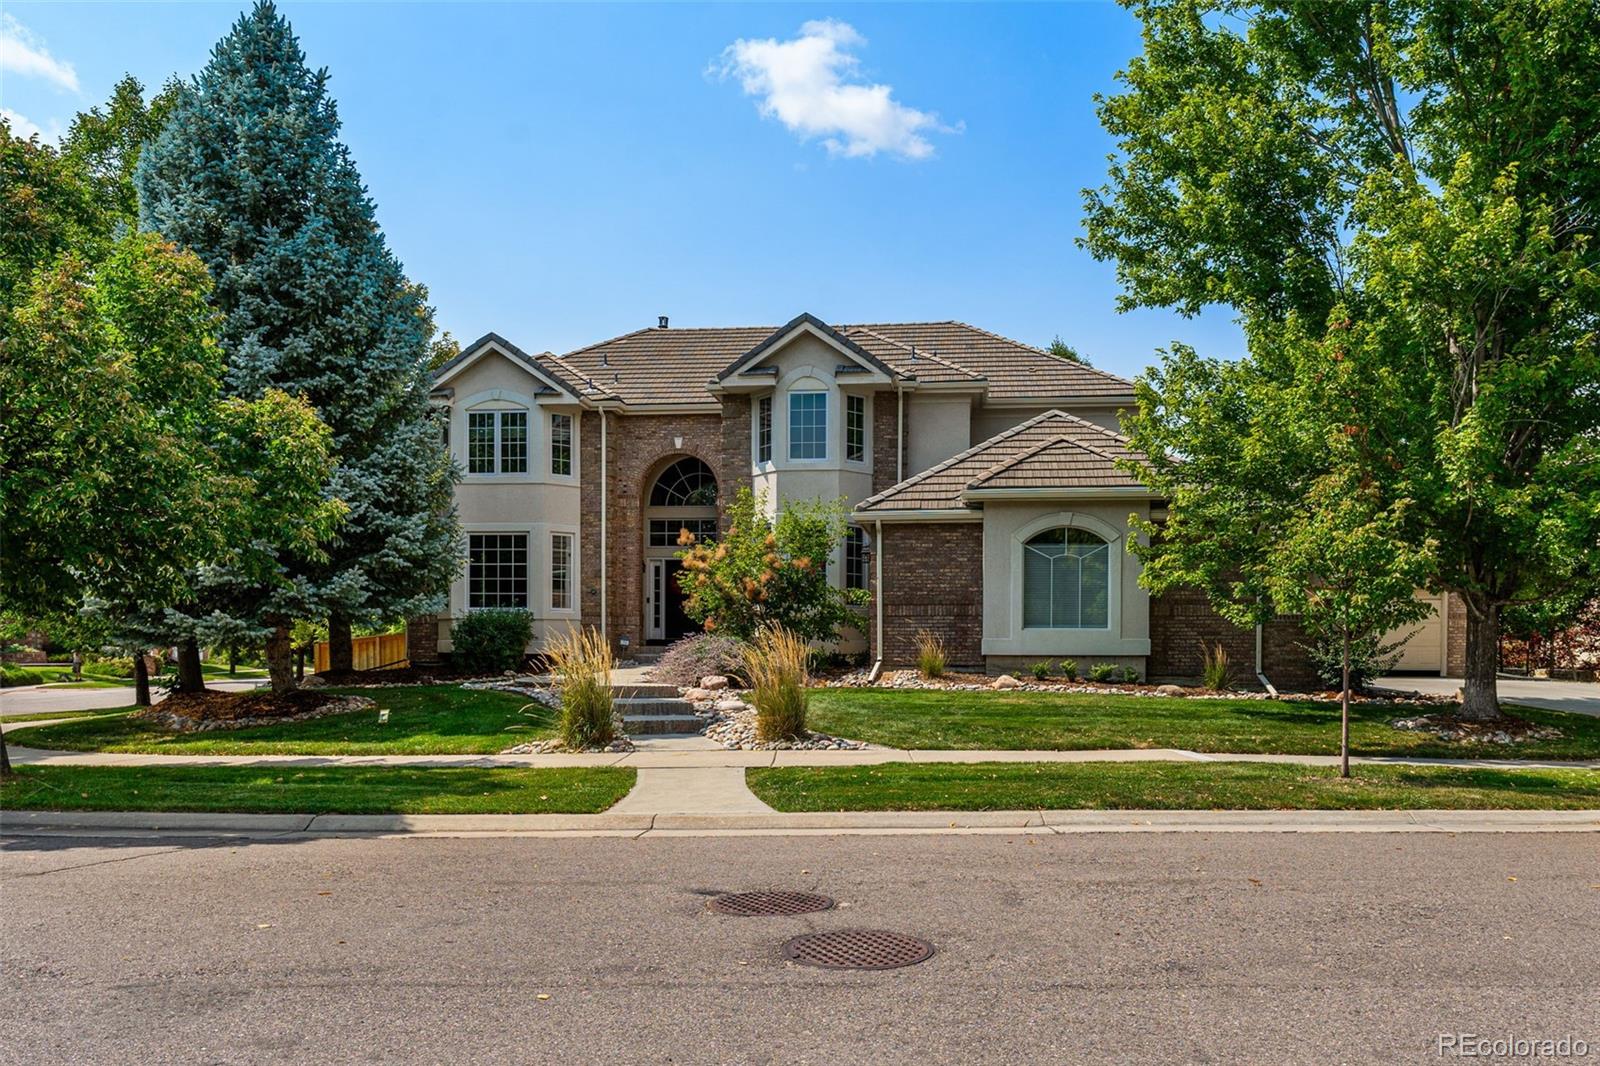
(734, 473)
(422, 639)
(933, 580)
(637, 447)
(885, 441)
(1181, 622)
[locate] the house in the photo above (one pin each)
(986, 502)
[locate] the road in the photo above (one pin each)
(34, 699)
(1235, 948)
(1583, 697)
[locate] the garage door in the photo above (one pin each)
(1424, 641)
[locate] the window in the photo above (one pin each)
(808, 425)
(497, 570)
(855, 428)
(497, 442)
(561, 571)
(1065, 580)
(855, 558)
(664, 532)
(764, 430)
(561, 445)
(686, 483)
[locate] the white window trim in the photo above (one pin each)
(490, 401)
(574, 588)
(865, 462)
(829, 406)
(466, 571)
(550, 451)
(757, 464)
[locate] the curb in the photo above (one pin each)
(79, 823)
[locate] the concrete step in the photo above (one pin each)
(653, 705)
(644, 690)
(657, 724)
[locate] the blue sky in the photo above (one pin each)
(561, 174)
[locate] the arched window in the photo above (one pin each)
(1065, 580)
(686, 483)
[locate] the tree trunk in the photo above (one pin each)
(5, 758)
(233, 659)
(141, 680)
(1480, 701)
(190, 677)
(341, 649)
(280, 670)
(1344, 712)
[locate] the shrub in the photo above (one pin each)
(491, 641)
(109, 666)
(1216, 671)
(930, 654)
(1041, 669)
(1102, 672)
(1370, 657)
(1069, 669)
(686, 661)
(775, 666)
(581, 662)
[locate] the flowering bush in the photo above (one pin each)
(763, 573)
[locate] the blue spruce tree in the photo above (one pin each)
(249, 174)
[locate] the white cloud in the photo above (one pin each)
(805, 83)
(23, 54)
(24, 127)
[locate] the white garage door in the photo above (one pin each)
(1424, 640)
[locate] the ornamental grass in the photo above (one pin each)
(581, 663)
(775, 666)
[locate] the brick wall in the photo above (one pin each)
(422, 638)
(1181, 621)
(933, 580)
(734, 471)
(638, 446)
(885, 417)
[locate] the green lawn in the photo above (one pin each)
(315, 790)
(1167, 786)
(423, 720)
(42, 716)
(914, 718)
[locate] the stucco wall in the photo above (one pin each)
(939, 426)
(987, 421)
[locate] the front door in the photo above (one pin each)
(676, 623)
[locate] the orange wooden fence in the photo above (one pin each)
(369, 653)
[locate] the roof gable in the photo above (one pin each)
(496, 344)
(803, 323)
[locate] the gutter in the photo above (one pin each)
(1260, 667)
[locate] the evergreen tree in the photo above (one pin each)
(249, 174)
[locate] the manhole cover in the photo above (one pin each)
(769, 904)
(858, 949)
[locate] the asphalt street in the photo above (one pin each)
(37, 698)
(1259, 947)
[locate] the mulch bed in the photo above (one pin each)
(189, 712)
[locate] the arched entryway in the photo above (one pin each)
(682, 495)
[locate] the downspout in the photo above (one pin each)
(604, 603)
(877, 596)
(1261, 666)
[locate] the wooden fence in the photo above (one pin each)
(369, 653)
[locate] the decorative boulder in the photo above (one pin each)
(713, 682)
(314, 681)
(1005, 681)
(1170, 690)
(731, 706)
(696, 695)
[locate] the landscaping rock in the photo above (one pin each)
(1171, 690)
(1005, 681)
(314, 681)
(731, 706)
(697, 695)
(735, 729)
(712, 682)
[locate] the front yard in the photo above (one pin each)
(1167, 786)
(1047, 721)
(315, 790)
(423, 720)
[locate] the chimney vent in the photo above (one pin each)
(661, 321)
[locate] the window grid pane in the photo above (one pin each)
(1066, 581)
(480, 442)
(764, 430)
(561, 444)
(561, 571)
(497, 570)
(855, 427)
(513, 442)
(664, 531)
(855, 558)
(808, 425)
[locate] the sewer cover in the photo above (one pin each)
(858, 949)
(769, 904)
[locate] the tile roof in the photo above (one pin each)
(659, 366)
(1054, 450)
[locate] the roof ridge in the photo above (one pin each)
(1023, 344)
(912, 348)
(1120, 438)
(961, 456)
(1023, 456)
(609, 340)
(579, 374)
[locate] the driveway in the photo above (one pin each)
(32, 700)
(1582, 697)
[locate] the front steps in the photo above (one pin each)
(653, 713)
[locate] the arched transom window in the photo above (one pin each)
(1065, 580)
(686, 483)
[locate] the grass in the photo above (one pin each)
(423, 720)
(925, 718)
(1167, 786)
(42, 716)
(315, 790)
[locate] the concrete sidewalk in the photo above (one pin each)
(885, 823)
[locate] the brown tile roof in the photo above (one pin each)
(673, 366)
(1052, 450)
